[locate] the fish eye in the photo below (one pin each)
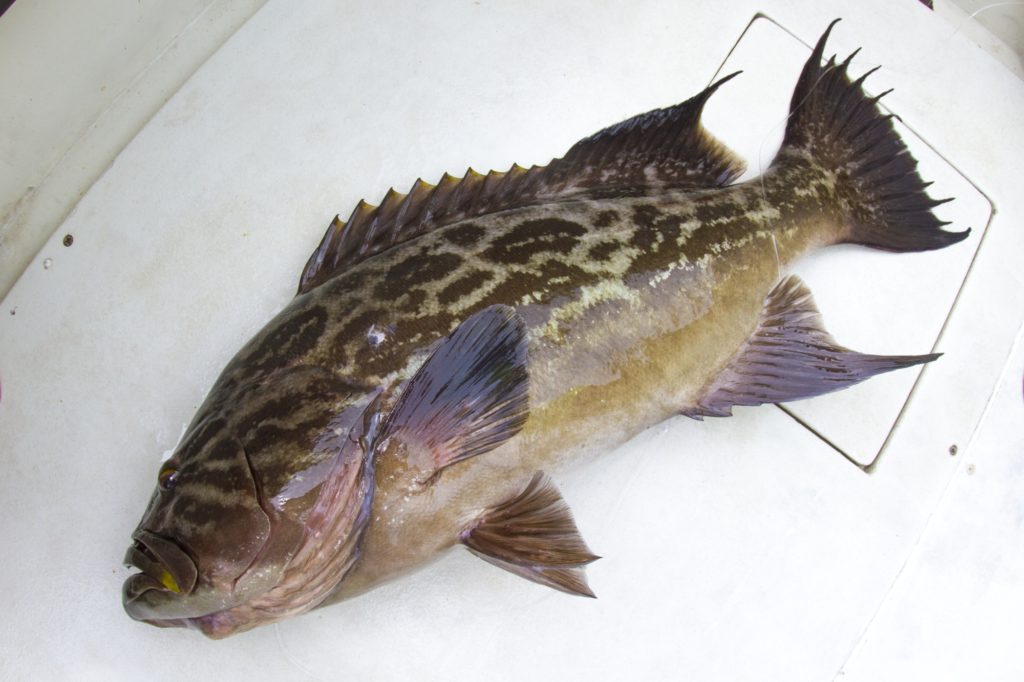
(167, 478)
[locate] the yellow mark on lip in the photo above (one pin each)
(168, 580)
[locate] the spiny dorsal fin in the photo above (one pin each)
(469, 397)
(660, 149)
(790, 356)
(534, 536)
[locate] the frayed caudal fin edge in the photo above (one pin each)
(836, 124)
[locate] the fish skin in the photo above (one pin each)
(633, 303)
(591, 257)
(651, 265)
(606, 358)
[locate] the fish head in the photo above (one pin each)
(202, 529)
(234, 505)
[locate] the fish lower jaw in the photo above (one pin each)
(148, 601)
(135, 586)
(215, 624)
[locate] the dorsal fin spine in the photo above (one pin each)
(461, 192)
(421, 189)
(388, 210)
(659, 149)
(402, 212)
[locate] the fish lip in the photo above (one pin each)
(157, 556)
(136, 586)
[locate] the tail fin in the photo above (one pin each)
(835, 123)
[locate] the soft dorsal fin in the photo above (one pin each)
(660, 149)
(790, 356)
(469, 397)
(534, 536)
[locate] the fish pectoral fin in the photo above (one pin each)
(534, 536)
(469, 397)
(791, 356)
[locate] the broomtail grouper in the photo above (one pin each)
(449, 347)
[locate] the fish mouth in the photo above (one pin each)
(168, 572)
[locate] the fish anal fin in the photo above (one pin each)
(663, 148)
(533, 535)
(790, 356)
(469, 396)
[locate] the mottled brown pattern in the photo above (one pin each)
(412, 301)
(537, 256)
(533, 237)
(292, 388)
(465, 235)
(464, 285)
(653, 229)
(602, 251)
(292, 395)
(551, 280)
(420, 268)
(606, 218)
(200, 434)
(635, 274)
(556, 264)
(357, 324)
(412, 334)
(294, 336)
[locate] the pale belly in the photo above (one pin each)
(627, 364)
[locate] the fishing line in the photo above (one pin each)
(974, 14)
(773, 130)
(292, 659)
(958, 27)
(760, 158)
(778, 261)
(785, 119)
(994, 4)
(962, 22)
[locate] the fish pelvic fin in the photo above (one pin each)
(791, 356)
(533, 535)
(470, 396)
(840, 128)
(663, 148)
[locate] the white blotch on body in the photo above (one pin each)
(376, 335)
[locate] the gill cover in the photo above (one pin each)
(233, 501)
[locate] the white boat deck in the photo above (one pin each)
(874, 534)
